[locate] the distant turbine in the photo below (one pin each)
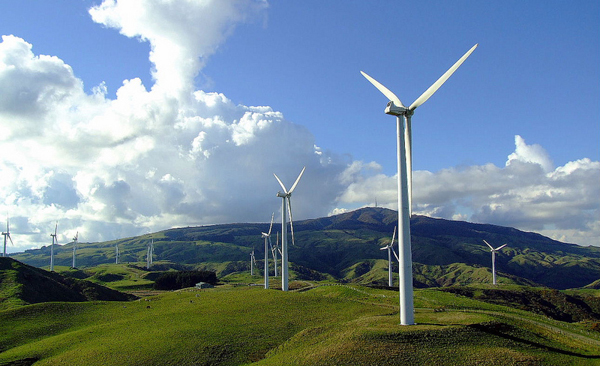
(494, 259)
(252, 262)
(267, 237)
(52, 247)
(404, 152)
(117, 253)
(390, 249)
(274, 250)
(7, 235)
(149, 254)
(75, 239)
(286, 196)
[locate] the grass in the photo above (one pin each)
(326, 325)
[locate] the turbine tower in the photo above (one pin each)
(7, 235)
(52, 247)
(390, 249)
(274, 251)
(117, 253)
(149, 254)
(267, 237)
(252, 262)
(75, 239)
(404, 152)
(286, 196)
(494, 250)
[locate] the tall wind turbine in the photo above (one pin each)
(390, 249)
(494, 250)
(286, 196)
(117, 253)
(404, 152)
(52, 247)
(267, 237)
(75, 239)
(7, 235)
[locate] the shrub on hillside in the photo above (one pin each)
(183, 279)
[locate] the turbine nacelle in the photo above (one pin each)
(283, 195)
(394, 110)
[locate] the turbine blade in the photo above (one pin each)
(502, 246)
(280, 183)
(391, 96)
(488, 244)
(395, 255)
(297, 180)
(271, 227)
(432, 89)
(291, 219)
(8, 234)
(393, 236)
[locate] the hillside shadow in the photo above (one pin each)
(496, 329)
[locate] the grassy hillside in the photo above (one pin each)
(326, 325)
(444, 252)
(21, 284)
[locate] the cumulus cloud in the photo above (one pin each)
(527, 193)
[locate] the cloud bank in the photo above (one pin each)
(171, 155)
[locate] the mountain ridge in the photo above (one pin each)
(332, 245)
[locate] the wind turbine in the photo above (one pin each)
(149, 254)
(404, 152)
(75, 239)
(286, 196)
(274, 250)
(52, 247)
(267, 237)
(390, 249)
(252, 262)
(494, 259)
(7, 235)
(117, 253)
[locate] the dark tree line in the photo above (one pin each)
(183, 279)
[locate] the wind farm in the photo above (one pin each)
(161, 134)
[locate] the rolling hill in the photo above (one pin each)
(346, 247)
(21, 284)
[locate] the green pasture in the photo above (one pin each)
(324, 325)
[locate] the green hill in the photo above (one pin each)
(444, 252)
(21, 284)
(325, 325)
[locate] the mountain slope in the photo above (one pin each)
(332, 245)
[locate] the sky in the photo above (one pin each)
(119, 118)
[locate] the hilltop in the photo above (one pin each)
(346, 247)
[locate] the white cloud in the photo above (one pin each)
(563, 203)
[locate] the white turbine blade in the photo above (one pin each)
(384, 248)
(291, 219)
(55, 228)
(388, 93)
(271, 227)
(502, 246)
(395, 255)
(432, 89)
(297, 180)
(8, 234)
(488, 244)
(393, 236)
(281, 184)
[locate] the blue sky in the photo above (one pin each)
(510, 139)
